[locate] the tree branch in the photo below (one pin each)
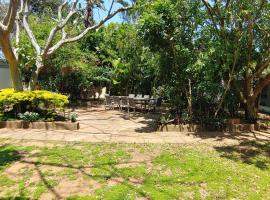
(10, 17)
(60, 26)
(28, 29)
(3, 27)
(92, 28)
(211, 13)
(261, 67)
(17, 23)
(18, 31)
(227, 4)
(262, 83)
(60, 9)
(6, 19)
(110, 10)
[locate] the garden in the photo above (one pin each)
(186, 83)
(210, 67)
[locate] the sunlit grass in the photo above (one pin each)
(120, 171)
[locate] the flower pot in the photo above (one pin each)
(233, 121)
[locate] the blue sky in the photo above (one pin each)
(100, 14)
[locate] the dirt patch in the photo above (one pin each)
(188, 195)
(203, 191)
(137, 159)
(79, 186)
(13, 172)
(114, 181)
(142, 198)
(168, 172)
(51, 169)
(48, 196)
(136, 181)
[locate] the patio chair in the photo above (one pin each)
(131, 95)
(146, 96)
(139, 103)
(155, 103)
(131, 104)
(116, 102)
(108, 102)
(124, 102)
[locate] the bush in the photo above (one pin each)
(73, 117)
(30, 100)
(29, 116)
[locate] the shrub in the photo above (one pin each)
(30, 100)
(73, 117)
(29, 116)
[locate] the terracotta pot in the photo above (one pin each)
(233, 121)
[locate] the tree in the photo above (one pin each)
(241, 30)
(10, 53)
(171, 29)
(19, 11)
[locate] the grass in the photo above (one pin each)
(117, 171)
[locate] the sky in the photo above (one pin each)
(100, 14)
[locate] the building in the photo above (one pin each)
(264, 103)
(5, 80)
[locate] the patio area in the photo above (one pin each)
(98, 125)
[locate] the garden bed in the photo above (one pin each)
(199, 128)
(18, 124)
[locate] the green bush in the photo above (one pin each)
(73, 117)
(29, 116)
(30, 100)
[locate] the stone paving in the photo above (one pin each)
(101, 126)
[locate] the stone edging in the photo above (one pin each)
(40, 125)
(198, 128)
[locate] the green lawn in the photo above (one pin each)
(119, 171)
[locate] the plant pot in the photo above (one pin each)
(233, 121)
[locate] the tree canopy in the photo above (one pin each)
(208, 59)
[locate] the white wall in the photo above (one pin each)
(5, 81)
(264, 103)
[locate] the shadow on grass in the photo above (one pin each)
(255, 153)
(109, 171)
(8, 155)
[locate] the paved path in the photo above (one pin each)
(100, 126)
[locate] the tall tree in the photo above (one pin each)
(54, 42)
(242, 30)
(10, 53)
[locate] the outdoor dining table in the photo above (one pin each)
(143, 101)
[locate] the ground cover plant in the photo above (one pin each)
(73, 171)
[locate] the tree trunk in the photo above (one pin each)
(251, 110)
(249, 100)
(34, 85)
(5, 44)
